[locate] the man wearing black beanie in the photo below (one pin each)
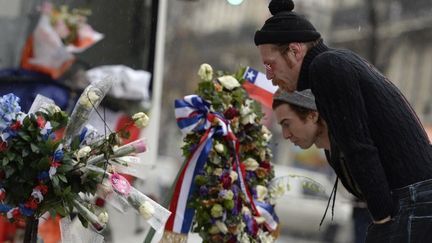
(387, 152)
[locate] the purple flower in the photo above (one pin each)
(203, 191)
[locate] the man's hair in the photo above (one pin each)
(300, 111)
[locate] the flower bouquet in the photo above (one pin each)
(59, 33)
(221, 193)
(50, 162)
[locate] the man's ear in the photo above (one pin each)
(313, 115)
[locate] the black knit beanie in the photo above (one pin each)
(285, 26)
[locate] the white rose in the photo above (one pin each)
(218, 172)
(146, 210)
(89, 98)
(278, 189)
(245, 110)
(219, 148)
(233, 176)
(221, 226)
(229, 82)
(248, 119)
(251, 164)
(103, 217)
(205, 72)
(83, 152)
(141, 119)
(228, 195)
(267, 135)
(261, 192)
(265, 237)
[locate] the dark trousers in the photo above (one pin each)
(413, 221)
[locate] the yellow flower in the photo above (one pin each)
(141, 119)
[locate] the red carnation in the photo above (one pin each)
(16, 126)
(231, 112)
(31, 203)
(16, 213)
(42, 188)
(55, 164)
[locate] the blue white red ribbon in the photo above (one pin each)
(193, 115)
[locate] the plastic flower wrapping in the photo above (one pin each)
(222, 190)
(50, 162)
(59, 33)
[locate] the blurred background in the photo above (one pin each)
(169, 39)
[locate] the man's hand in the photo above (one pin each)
(382, 221)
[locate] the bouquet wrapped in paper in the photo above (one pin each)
(59, 33)
(55, 163)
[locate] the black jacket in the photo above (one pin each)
(384, 144)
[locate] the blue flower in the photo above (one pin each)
(9, 107)
(59, 154)
(43, 175)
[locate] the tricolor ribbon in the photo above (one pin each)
(193, 115)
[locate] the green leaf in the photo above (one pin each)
(84, 222)
(34, 148)
(5, 161)
(62, 178)
(43, 163)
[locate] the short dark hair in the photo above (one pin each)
(300, 111)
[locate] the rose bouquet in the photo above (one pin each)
(50, 162)
(228, 164)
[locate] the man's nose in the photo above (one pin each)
(269, 74)
(287, 134)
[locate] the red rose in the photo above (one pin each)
(3, 146)
(226, 181)
(2, 194)
(31, 203)
(231, 112)
(100, 202)
(266, 165)
(16, 126)
(42, 188)
(40, 122)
